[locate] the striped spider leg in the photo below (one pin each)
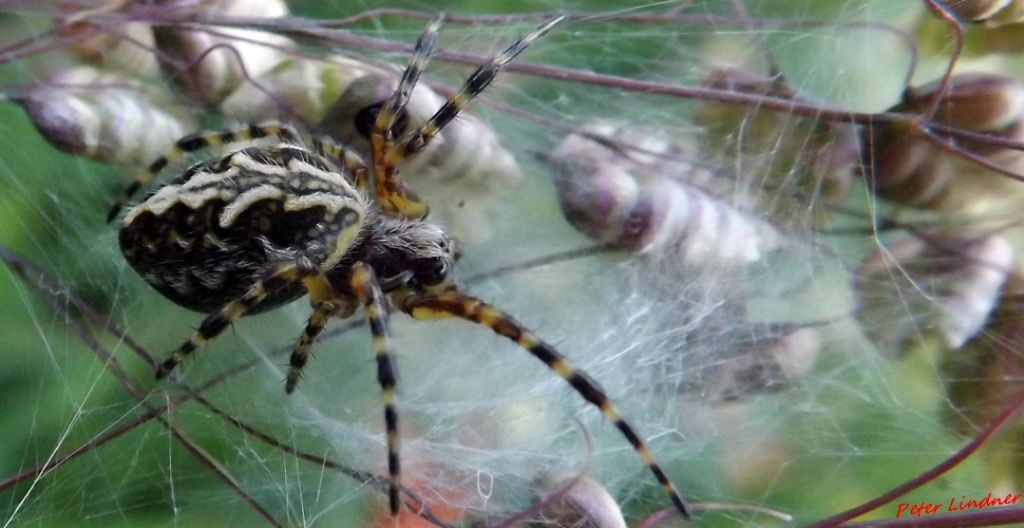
(367, 290)
(392, 194)
(452, 303)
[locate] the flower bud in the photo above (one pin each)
(643, 200)
(981, 102)
(586, 504)
(906, 168)
(296, 86)
(762, 362)
(943, 286)
(984, 376)
(124, 48)
(976, 10)
(201, 65)
(105, 116)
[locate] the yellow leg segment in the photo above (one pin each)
(477, 82)
(216, 322)
(393, 195)
(368, 291)
(323, 313)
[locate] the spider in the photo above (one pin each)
(261, 226)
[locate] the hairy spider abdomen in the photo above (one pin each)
(203, 238)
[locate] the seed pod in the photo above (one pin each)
(586, 504)
(305, 87)
(641, 200)
(1011, 14)
(976, 101)
(979, 10)
(125, 48)
(761, 358)
(903, 167)
(984, 376)
(992, 30)
(943, 286)
(105, 116)
(789, 163)
(992, 12)
(199, 64)
(725, 357)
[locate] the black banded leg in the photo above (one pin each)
(454, 304)
(216, 322)
(474, 85)
(392, 194)
(368, 291)
(323, 313)
(199, 141)
(393, 105)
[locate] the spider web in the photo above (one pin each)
(90, 438)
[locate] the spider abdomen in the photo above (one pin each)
(203, 238)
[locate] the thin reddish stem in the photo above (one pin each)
(940, 10)
(935, 472)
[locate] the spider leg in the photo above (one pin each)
(392, 194)
(323, 313)
(345, 159)
(417, 140)
(368, 291)
(216, 322)
(455, 304)
(199, 141)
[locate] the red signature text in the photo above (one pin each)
(955, 505)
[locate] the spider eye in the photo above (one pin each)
(430, 271)
(368, 114)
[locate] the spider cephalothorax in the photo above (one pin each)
(393, 246)
(281, 217)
